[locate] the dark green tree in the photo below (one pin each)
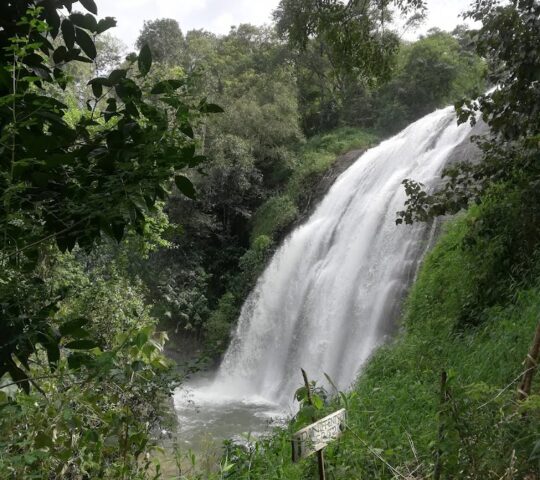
(68, 184)
(165, 39)
(432, 72)
(356, 34)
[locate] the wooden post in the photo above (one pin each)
(440, 436)
(320, 461)
(531, 365)
(320, 455)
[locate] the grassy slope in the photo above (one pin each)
(314, 159)
(398, 394)
(394, 408)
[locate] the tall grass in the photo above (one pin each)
(397, 425)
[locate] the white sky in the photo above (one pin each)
(219, 15)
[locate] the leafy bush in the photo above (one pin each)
(318, 156)
(82, 375)
(94, 414)
(275, 215)
(313, 161)
(254, 260)
(218, 327)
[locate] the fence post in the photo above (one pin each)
(320, 454)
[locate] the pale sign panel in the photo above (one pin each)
(318, 435)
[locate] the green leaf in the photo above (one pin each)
(19, 376)
(185, 186)
(60, 54)
(53, 352)
(97, 89)
(81, 345)
(132, 109)
(105, 24)
(68, 32)
(68, 328)
(86, 43)
(33, 60)
(128, 90)
(77, 360)
(72, 54)
(86, 21)
(145, 60)
(90, 5)
(100, 81)
(188, 153)
(196, 161)
(110, 112)
(91, 436)
(43, 440)
(53, 19)
(111, 104)
(166, 86)
(317, 401)
(301, 394)
(83, 59)
(187, 130)
(210, 108)
(116, 75)
(306, 414)
(140, 339)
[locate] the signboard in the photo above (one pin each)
(318, 435)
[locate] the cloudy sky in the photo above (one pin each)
(218, 15)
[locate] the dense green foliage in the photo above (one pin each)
(81, 183)
(510, 110)
(315, 158)
(439, 69)
(355, 35)
(73, 184)
(352, 69)
(164, 38)
(94, 414)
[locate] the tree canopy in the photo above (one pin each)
(73, 184)
(164, 38)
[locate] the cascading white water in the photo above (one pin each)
(332, 290)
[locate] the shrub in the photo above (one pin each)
(273, 217)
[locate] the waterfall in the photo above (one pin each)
(332, 291)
